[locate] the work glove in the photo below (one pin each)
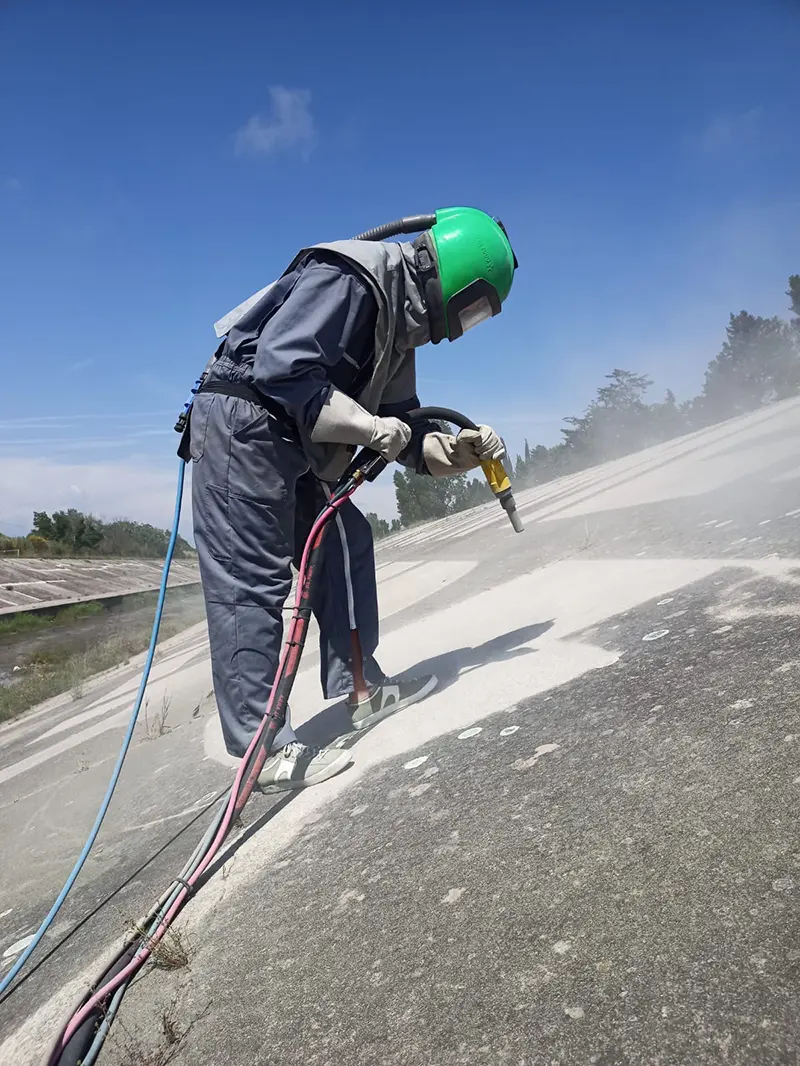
(446, 455)
(343, 421)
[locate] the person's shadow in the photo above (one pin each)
(333, 723)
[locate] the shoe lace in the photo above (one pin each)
(294, 750)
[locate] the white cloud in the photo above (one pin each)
(289, 127)
(83, 443)
(51, 420)
(729, 132)
(139, 491)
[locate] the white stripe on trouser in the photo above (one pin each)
(286, 735)
(348, 577)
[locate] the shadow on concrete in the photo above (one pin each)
(229, 850)
(333, 723)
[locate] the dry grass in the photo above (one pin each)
(157, 725)
(172, 952)
(173, 1035)
(51, 674)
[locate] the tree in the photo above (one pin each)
(793, 292)
(380, 527)
(667, 419)
(74, 533)
(421, 497)
(757, 364)
(43, 525)
(78, 532)
(37, 544)
(614, 423)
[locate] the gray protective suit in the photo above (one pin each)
(347, 315)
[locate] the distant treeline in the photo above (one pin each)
(73, 533)
(758, 364)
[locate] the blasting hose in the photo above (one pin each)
(80, 1041)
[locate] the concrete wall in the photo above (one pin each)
(27, 584)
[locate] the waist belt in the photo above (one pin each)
(247, 392)
(243, 392)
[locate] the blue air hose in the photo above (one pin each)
(123, 751)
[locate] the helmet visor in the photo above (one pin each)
(473, 304)
(473, 313)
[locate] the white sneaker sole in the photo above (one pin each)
(400, 705)
(293, 785)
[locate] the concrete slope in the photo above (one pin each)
(582, 848)
(26, 584)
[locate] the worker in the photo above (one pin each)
(320, 363)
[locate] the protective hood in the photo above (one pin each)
(401, 326)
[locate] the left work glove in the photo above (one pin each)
(446, 455)
(343, 421)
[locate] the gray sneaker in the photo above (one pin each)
(390, 697)
(297, 766)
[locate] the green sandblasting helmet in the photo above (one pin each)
(466, 266)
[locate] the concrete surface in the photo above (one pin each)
(26, 584)
(582, 848)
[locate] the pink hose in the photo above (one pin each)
(235, 802)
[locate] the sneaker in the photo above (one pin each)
(297, 766)
(390, 697)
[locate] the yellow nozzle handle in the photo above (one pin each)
(493, 469)
(500, 485)
(496, 475)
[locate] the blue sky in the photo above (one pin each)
(161, 161)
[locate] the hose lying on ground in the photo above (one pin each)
(82, 1038)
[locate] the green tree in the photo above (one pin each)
(758, 363)
(793, 292)
(615, 423)
(420, 497)
(380, 527)
(74, 533)
(43, 525)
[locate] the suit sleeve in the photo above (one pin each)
(309, 335)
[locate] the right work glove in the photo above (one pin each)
(343, 421)
(446, 455)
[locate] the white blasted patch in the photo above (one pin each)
(18, 947)
(453, 896)
(526, 764)
(656, 634)
(414, 763)
(473, 732)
